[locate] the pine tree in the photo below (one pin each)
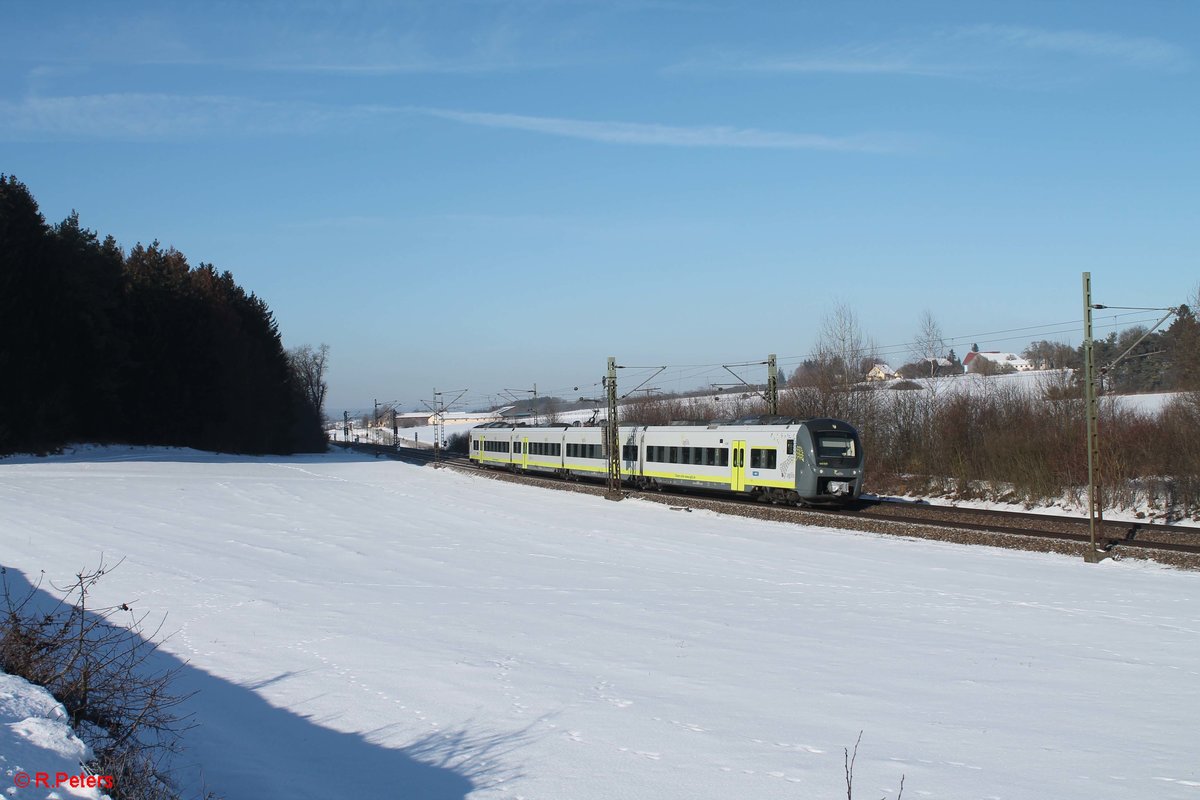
(1182, 342)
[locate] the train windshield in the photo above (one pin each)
(836, 445)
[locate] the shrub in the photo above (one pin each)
(101, 672)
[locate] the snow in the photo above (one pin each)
(360, 627)
(35, 737)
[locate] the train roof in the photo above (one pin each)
(743, 422)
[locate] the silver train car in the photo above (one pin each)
(811, 462)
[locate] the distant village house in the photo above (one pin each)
(999, 359)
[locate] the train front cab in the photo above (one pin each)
(831, 470)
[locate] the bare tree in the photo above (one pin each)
(929, 345)
(841, 347)
(309, 367)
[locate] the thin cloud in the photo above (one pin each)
(882, 59)
(165, 116)
(1138, 51)
(640, 133)
(965, 52)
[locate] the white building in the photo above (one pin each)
(999, 359)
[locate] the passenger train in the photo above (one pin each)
(811, 461)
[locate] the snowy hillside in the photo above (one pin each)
(365, 628)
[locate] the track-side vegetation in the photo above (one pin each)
(997, 441)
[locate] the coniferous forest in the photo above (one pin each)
(99, 345)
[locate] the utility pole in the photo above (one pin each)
(1095, 499)
(395, 431)
(346, 426)
(772, 386)
(375, 424)
(533, 391)
(612, 434)
(437, 431)
(771, 395)
(1095, 487)
(439, 410)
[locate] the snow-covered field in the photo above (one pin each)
(366, 628)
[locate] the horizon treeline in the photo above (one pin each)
(101, 346)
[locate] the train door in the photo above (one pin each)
(525, 453)
(737, 460)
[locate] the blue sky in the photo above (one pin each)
(491, 194)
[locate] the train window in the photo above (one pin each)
(762, 458)
(791, 450)
(723, 457)
(835, 446)
(630, 452)
(673, 456)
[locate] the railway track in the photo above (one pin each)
(1112, 534)
(1176, 545)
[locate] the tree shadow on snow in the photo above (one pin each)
(244, 747)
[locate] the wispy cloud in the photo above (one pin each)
(166, 116)
(969, 51)
(641, 133)
(1138, 51)
(895, 58)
